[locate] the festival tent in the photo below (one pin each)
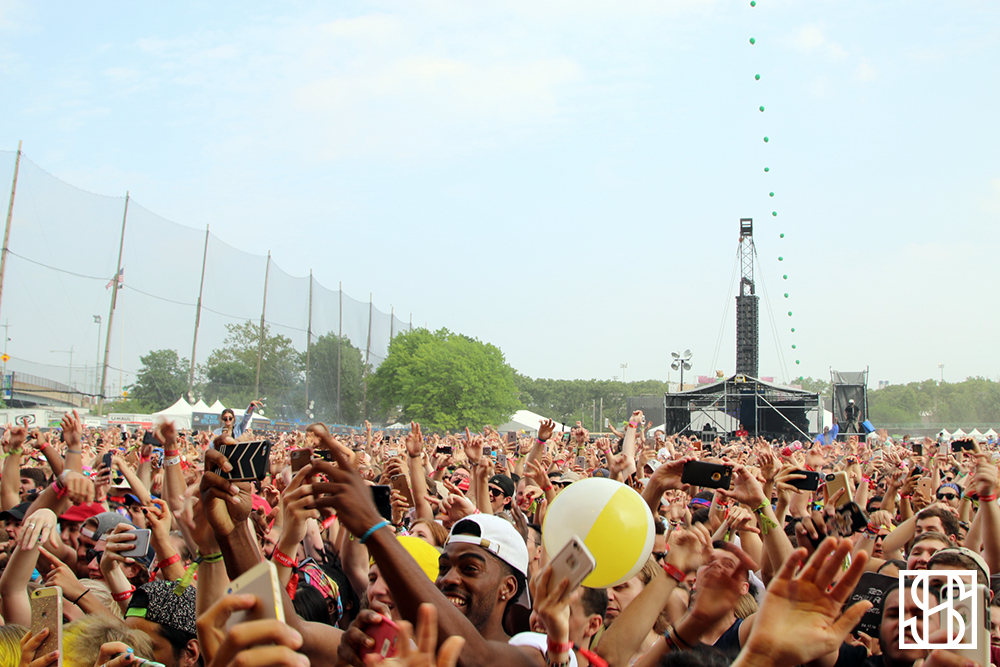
(216, 407)
(398, 426)
(990, 433)
(943, 434)
(958, 434)
(526, 420)
(975, 433)
(179, 413)
(201, 406)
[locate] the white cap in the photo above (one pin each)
(494, 534)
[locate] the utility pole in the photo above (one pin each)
(111, 311)
(10, 213)
(260, 342)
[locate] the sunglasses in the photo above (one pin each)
(946, 496)
(228, 419)
(659, 555)
(94, 553)
(495, 491)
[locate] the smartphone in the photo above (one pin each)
(262, 581)
(581, 461)
(566, 437)
(487, 451)
(511, 437)
(849, 519)
(918, 448)
(708, 475)
(574, 562)
(607, 423)
(108, 460)
(149, 439)
(834, 482)
(382, 495)
(386, 636)
(392, 453)
(925, 485)
(810, 483)
(141, 544)
(47, 613)
(300, 459)
(446, 449)
(966, 445)
(250, 460)
(400, 483)
(976, 606)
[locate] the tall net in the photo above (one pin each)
(318, 347)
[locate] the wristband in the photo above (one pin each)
(988, 499)
(673, 572)
(211, 558)
(766, 523)
(633, 425)
(172, 461)
(547, 488)
(677, 638)
(60, 490)
(43, 446)
(124, 595)
(145, 459)
(171, 452)
(77, 600)
(284, 560)
(73, 451)
(557, 648)
(414, 456)
(176, 558)
(371, 531)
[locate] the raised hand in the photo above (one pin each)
(545, 429)
(414, 441)
(37, 528)
(29, 646)
(426, 643)
(226, 504)
(474, 448)
(800, 618)
(269, 642)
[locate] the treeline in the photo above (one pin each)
(974, 401)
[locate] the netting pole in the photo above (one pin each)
(368, 351)
(411, 321)
(309, 338)
(340, 343)
(260, 341)
(197, 316)
(10, 213)
(392, 323)
(111, 311)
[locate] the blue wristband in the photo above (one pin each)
(381, 524)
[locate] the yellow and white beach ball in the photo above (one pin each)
(612, 520)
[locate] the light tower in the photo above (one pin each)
(746, 305)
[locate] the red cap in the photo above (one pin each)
(464, 484)
(80, 513)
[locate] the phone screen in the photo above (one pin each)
(382, 495)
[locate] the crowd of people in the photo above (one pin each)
(450, 559)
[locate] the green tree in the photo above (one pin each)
(231, 371)
(323, 380)
(445, 381)
(162, 379)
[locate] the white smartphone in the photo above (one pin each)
(977, 606)
(141, 544)
(262, 581)
(573, 562)
(47, 613)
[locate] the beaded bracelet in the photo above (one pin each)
(371, 531)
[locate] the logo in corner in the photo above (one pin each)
(951, 598)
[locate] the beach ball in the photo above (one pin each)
(612, 520)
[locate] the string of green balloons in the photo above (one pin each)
(767, 140)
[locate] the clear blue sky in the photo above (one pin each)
(561, 178)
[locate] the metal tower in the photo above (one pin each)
(746, 305)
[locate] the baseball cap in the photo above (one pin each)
(568, 477)
(495, 535)
(653, 464)
(80, 513)
(16, 512)
(968, 553)
(106, 521)
(157, 602)
(505, 483)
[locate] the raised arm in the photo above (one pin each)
(418, 475)
(10, 482)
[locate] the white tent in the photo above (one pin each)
(958, 434)
(975, 434)
(526, 420)
(990, 433)
(216, 407)
(943, 434)
(398, 426)
(179, 413)
(201, 406)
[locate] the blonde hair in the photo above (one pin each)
(82, 640)
(745, 606)
(99, 591)
(10, 644)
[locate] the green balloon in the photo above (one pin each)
(793, 347)
(774, 213)
(793, 329)
(786, 295)
(781, 259)
(771, 194)
(766, 169)
(753, 41)
(785, 276)
(762, 108)
(781, 236)
(753, 3)
(796, 361)
(766, 140)
(757, 77)
(789, 313)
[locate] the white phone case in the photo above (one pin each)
(262, 581)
